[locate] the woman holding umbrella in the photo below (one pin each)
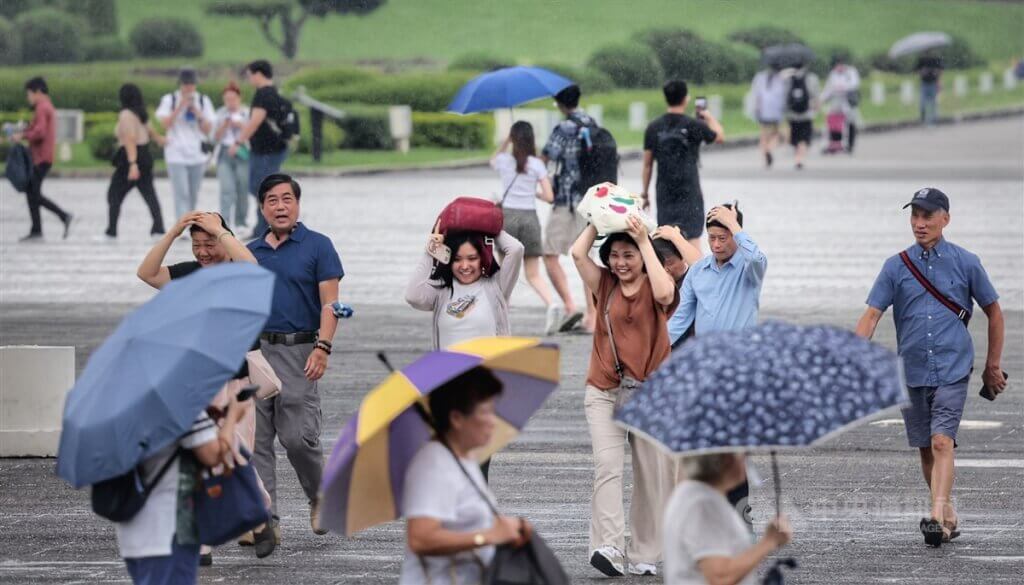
(634, 296)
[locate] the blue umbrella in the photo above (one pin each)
(506, 88)
(160, 368)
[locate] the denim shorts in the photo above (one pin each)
(934, 410)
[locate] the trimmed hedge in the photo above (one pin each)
(628, 66)
(166, 37)
(685, 55)
(333, 135)
(101, 140)
(366, 128)
(93, 93)
(589, 79)
(10, 43)
(451, 131)
(423, 92)
(107, 49)
(101, 15)
(822, 64)
(479, 62)
(761, 37)
(318, 78)
(49, 36)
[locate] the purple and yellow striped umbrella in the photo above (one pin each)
(363, 480)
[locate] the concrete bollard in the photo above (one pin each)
(986, 81)
(400, 124)
(878, 93)
(637, 115)
(906, 92)
(543, 122)
(33, 383)
(1009, 79)
(596, 111)
(716, 105)
(960, 86)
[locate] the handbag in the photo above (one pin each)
(229, 504)
(531, 564)
(471, 214)
(262, 375)
(627, 384)
(608, 207)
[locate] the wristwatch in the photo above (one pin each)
(479, 539)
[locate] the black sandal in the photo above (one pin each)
(932, 531)
(953, 531)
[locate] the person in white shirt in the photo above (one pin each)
(524, 179)
(842, 94)
(769, 90)
(706, 541)
(232, 171)
(188, 118)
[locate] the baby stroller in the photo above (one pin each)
(836, 123)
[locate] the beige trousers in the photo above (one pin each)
(654, 477)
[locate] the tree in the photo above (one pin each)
(290, 16)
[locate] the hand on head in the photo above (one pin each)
(636, 228)
(667, 232)
(723, 215)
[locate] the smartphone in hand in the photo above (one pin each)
(989, 393)
(247, 393)
(700, 104)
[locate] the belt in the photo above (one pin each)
(289, 338)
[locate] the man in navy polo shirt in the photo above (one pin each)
(296, 341)
(935, 345)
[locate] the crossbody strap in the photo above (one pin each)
(611, 338)
(960, 312)
(507, 189)
(470, 479)
(148, 487)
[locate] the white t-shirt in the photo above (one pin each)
(770, 95)
(185, 137)
(700, 523)
(231, 134)
(150, 532)
(435, 488)
(467, 314)
(523, 194)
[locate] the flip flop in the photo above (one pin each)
(570, 322)
(932, 531)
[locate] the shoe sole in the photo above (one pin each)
(601, 563)
(570, 322)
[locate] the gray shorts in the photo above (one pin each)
(563, 227)
(934, 410)
(523, 225)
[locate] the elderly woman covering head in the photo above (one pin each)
(706, 541)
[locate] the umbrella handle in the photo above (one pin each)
(777, 486)
(384, 360)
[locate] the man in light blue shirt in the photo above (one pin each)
(723, 290)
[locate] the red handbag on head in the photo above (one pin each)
(471, 214)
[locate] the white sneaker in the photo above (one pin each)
(553, 320)
(608, 560)
(643, 569)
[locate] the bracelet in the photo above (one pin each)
(325, 342)
(222, 234)
(323, 347)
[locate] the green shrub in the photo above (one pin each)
(589, 79)
(166, 37)
(49, 36)
(822, 63)
(479, 62)
(12, 8)
(684, 55)
(106, 49)
(441, 130)
(423, 92)
(101, 15)
(317, 78)
(628, 66)
(10, 43)
(332, 136)
(93, 93)
(101, 140)
(365, 127)
(761, 37)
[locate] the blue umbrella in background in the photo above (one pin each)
(506, 88)
(770, 387)
(146, 384)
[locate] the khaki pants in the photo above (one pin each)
(654, 474)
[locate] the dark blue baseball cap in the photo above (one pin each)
(930, 199)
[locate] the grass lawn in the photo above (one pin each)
(570, 30)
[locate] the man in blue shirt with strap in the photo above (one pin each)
(935, 345)
(296, 342)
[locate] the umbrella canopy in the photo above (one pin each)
(506, 88)
(787, 55)
(364, 478)
(918, 43)
(145, 385)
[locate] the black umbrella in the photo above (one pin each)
(788, 55)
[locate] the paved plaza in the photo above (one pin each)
(826, 230)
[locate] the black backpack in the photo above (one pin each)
(120, 498)
(599, 156)
(284, 120)
(798, 100)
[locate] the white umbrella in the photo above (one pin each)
(919, 42)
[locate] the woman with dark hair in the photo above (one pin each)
(524, 179)
(469, 295)
(450, 528)
(634, 296)
(133, 163)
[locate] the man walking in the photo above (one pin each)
(41, 135)
(723, 292)
(932, 286)
(802, 91)
(929, 68)
(565, 225)
(674, 141)
(296, 342)
(188, 117)
(268, 148)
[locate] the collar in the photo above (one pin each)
(941, 249)
(297, 234)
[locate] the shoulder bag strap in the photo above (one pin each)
(611, 338)
(960, 312)
(470, 479)
(507, 189)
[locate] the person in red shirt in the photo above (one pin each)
(41, 135)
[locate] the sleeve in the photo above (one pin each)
(182, 269)
(651, 137)
(757, 262)
(260, 99)
(511, 261)
(883, 291)
(429, 490)
(499, 160)
(537, 168)
(420, 293)
(704, 133)
(208, 112)
(981, 287)
(164, 109)
(328, 263)
(705, 533)
(685, 312)
(40, 127)
(556, 144)
(203, 431)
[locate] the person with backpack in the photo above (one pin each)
(802, 90)
(932, 287)
(674, 141)
(272, 124)
(584, 155)
(188, 117)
